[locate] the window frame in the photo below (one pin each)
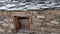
(16, 22)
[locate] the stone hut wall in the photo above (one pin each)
(7, 21)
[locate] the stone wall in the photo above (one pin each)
(46, 25)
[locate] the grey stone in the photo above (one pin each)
(55, 33)
(7, 20)
(4, 25)
(40, 16)
(2, 30)
(11, 26)
(22, 33)
(1, 22)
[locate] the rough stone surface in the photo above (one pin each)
(41, 21)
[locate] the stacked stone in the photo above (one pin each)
(46, 29)
(6, 23)
(39, 26)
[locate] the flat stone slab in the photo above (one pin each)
(22, 33)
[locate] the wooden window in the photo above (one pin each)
(23, 23)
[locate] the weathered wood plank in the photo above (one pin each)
(16, 23)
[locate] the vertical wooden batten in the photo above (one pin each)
(30, 20)
(16, 23)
